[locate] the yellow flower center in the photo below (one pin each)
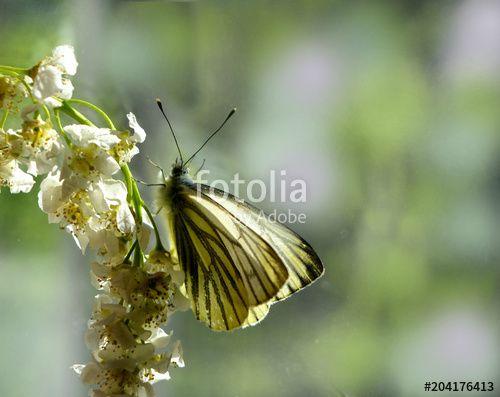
(38, 134)
(81, 161)
(72, 213)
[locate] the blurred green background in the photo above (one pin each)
(389, 110)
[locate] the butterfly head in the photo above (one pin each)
(179, 169)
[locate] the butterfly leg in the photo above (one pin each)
(158, 210)
(157, 166)
(148, 184)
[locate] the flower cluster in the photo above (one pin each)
(50, 76)
(83, 193)
(36, 146)
(128, 346)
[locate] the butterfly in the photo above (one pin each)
(236, 261)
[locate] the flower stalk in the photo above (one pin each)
(4, 118)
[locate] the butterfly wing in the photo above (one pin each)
(302, 262)
(256, 314)
(229, 268)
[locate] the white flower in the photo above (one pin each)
(89, 155)
(37, 144)
(130, 350)
(110, 195)
(112, 381)
(127, 357)
(50, 79)
(11, 175)
(145, 231)
(156, 368)
(160, 260)
(64, 57)
(85, 136)
(126, 149)
(176, 357)
(159, 338)
(71, 210)
(97, 215)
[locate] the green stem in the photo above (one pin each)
(61, 128)
(4, 118)
(75, 114)
(11, 73)
(138, 257)
(47, 112)
(13, 69)
(133, 192)
(136, 197)
(137, 201)
(131, 250)
(95, 108)
(127, 175)
(159, 245)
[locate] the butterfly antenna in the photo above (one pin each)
(160, 106)
(199, 169)
(233, 111)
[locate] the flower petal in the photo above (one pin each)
(125, 220)
(48, 82)
(139, 133)
(159, 338)
(64, 56)
(16, 179)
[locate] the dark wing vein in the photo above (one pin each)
(304, 265)
(228, 274)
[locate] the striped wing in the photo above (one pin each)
(230, 270)
(256, 314)
(303, 264)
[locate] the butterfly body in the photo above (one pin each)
(236, 262)
(173, 186)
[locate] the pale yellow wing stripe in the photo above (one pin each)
(217, 291)
(228, 267)
(263, 270)
(256, 314)
(304, 265)
(264, 273)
